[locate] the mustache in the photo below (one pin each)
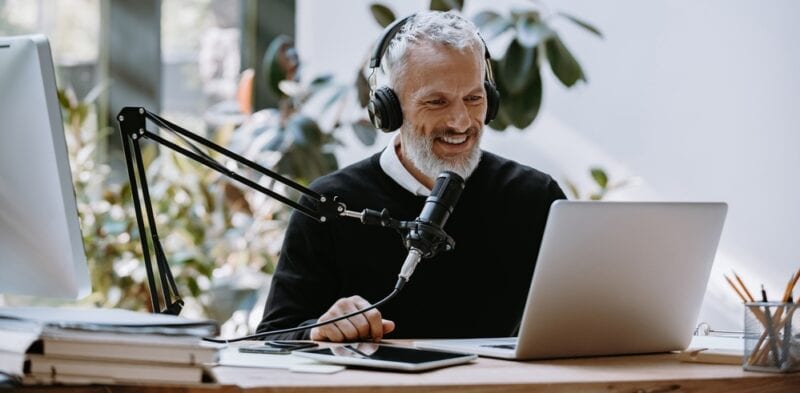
(452, 132)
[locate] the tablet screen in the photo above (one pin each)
(386, 353)
(384, 356)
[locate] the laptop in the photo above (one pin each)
(612, 278)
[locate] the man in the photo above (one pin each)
(437, 70)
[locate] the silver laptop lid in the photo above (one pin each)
(619, 278)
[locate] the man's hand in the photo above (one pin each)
(368, 325)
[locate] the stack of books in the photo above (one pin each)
(81, 346)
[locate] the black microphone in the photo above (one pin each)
(426, 237)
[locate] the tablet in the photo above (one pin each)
(385, 356)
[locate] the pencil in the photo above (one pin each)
(744, 300)
(744, 287)
(787, 294)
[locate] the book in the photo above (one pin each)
(188, 350)
(16, 337)
(102, 345)
(102, 370)
(11, 363)
(109, 320)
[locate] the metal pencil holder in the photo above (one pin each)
(771, 337)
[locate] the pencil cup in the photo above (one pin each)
(771, 337)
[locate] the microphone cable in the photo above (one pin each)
(401, 281)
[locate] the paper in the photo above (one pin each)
(717, 342)
(317, 368)
(95, 316)
(232, 357)
(108, 319)
(17, 336)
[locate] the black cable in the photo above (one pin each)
(397, 287)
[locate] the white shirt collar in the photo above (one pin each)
(390, 163)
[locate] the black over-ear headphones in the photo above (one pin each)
(384, 105)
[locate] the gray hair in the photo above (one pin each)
(445, 28)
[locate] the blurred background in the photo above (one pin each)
(618, 100)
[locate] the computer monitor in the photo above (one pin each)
(41, 250)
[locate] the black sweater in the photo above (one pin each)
(477, 290)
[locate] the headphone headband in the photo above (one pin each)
(388, 33)
(391, 30)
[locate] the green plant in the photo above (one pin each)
(298, 130)
(601, 179)
(209, 227)
(532, 41)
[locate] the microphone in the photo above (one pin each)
(426, 237)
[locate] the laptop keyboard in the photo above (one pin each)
(501, 346)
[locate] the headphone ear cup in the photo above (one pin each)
(384, 110)
(492, 101)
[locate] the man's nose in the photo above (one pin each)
(458, 117)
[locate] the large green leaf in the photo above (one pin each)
(583, 24)
(516, 68)
(501, 121)
(276, 141)
(337, 95)
(305, 131)
(63, 99)
(523, 107)
(321, 81)
(573, 189)
(365, 132)
(271, 68)
(382, 14)
(518, 13)
(305, 163)
(362, 87)
(600, 177)
(563, 64)
(491, 24)
(531, 32)
(446, 5)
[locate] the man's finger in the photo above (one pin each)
(347, 328)
(388, 326)
(327, 333)
(373, 318)
(358, 321)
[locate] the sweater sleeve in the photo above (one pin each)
(305, 283)
(555, 191)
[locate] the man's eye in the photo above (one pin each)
(474, 98)
(435, 102)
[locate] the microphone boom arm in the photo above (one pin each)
(132, 125)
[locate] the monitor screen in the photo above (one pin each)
(41, 250)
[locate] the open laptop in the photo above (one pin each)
(612, 278)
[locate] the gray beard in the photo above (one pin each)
(419, 150)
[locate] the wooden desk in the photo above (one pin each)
(646, 373)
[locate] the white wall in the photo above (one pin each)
(695, 98)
